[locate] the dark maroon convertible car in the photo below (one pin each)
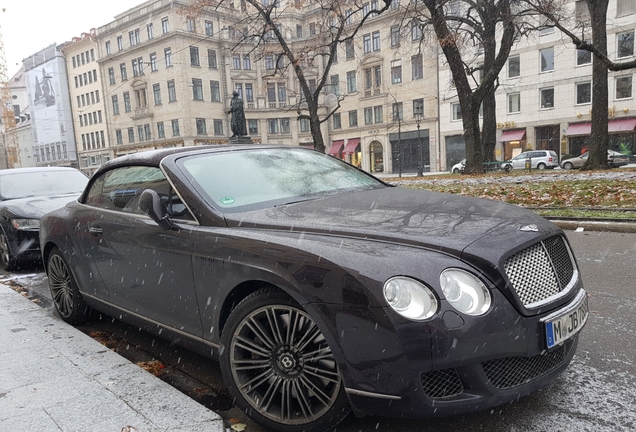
(319, 288)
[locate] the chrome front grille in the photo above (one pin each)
(442, 383)
(540, 271)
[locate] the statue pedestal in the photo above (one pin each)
(240, 140)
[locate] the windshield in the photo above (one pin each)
(248, 180)
(41, 183)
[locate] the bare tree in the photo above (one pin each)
(559, 14)
(464, 27)
(264, 28)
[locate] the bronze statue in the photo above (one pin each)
(237, 124)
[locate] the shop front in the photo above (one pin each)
(410, 151)
(335, 149)
(513, 141)
(352, 152)
(622, 136)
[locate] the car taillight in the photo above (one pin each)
(549, 159)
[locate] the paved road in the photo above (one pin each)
(596, 393)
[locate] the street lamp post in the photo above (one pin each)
(418, 118)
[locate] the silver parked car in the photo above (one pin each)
(539, 159)
(614, 159)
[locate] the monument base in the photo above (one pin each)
(240, 140)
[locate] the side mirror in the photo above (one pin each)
(150, 203)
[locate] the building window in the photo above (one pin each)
(312, 29)
(247, 62)
(547, 59)
(135, 67)
(194, 56)
(583, 93)
(236, 62)
(118, 136)
(161, 133)
(368, 116)
(108, 48)
(353, 118)
(120, 43)
(514, 66)
(395, 36)
(191, 25)
(547, 98)
(201, 129)
(140, 96)
(624, 87)
(133, 36)
(156, 91)
(111, 76)
(115, 105)
(209, 28)
(175, 127)
(351, 82)
(147, 132)
(218, 127)
(396, 71)
(337, 121)
(418, 107)
(514, 103)
(272, 126)
(153, 62)
(625, 44)
(127, 106)
(417, 67)
(583, 57)
(269, 62)
(366, 43)
(215, 91)
(284, 125)
(167, 54)
(131, 135)
(398, 111)
(299, 31)
(304, 125)
(376, 40)
(164, 26)
(252, 126)
(378, 114)
(416, 31)
(212, 59)
(197, 89)
(172, 92)
(150, 31)
(122, 69)
(350, 51)
(456, 111)
(334, 84)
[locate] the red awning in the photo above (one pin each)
(335, 147)
(351, 146)
(579, 129)
(621, 125)
(513, 135)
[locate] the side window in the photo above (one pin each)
(120, 189)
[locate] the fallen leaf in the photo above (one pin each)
(238, 427)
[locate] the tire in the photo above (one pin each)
(507, 168)
(456, 171)
(64, 291)
(568, 166)
(8, 261)
(541, 166)
(262, 364)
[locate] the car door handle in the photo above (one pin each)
(95, 230)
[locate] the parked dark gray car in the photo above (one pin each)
(318, 287)
(26, 194)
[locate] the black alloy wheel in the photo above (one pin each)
(7, 259)
(278, 366)
(64, 291)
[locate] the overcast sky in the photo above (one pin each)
(30, 25)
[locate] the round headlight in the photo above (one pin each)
(410, 298)
(465, 292)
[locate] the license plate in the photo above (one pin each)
(564, 324)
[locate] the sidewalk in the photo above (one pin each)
(55, 378)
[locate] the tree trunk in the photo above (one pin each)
(599, 140)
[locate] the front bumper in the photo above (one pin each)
(449, 366)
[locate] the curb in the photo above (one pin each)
(620, 227)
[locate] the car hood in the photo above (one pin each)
(36, 207)
(444, 222)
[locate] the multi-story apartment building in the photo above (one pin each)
(545, 96)
(50, 108)
(86, 95)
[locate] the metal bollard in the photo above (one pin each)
(529, 164)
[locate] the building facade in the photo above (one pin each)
(50, 108)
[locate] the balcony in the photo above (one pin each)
(142, 113)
